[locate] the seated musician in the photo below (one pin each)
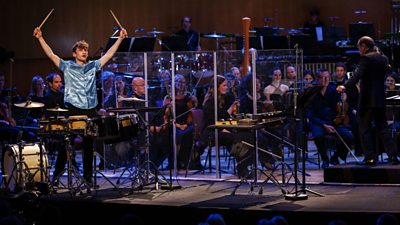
(308, 78)
(392, 110)
(184, 103)
(322, 112)
(36, 94)
(275, 91)
(54, 98)
(227, 138)
(291, 76)
(340, 77)
(121, 90)
(246, 106)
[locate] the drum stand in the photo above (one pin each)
(20, 175)
(95, 172)
(72, 185)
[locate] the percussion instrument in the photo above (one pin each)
(54, 125)
(30, 164)
(29, 104)
(77, 123)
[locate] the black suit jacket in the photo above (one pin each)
(371, 72)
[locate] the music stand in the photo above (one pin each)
(302, 103)
(143, 44)
(125, 45)
(275, 42)
(174, 43)
(254, 42)
(357, 30)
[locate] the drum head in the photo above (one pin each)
(30, 165)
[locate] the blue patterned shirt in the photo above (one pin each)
(80, 83)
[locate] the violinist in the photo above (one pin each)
(321, 113)
(184, 103)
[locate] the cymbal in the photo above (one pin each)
(213, 35)
(57, 110)
(132, 99)
(155, 32)
(29, 104)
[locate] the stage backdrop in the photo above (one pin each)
(91, 20)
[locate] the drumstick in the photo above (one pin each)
(115, 18)
(40, 26)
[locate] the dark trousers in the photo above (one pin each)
(319, 133)
(375, 117)
(87, 143)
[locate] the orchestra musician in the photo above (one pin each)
(226, 138)
(275, 91)
(80, 85)
(371, 71)
(321, 113)
(191, 37)
(184, 103)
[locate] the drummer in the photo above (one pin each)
(191, 37)
(80, 85)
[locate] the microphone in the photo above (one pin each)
(139, 30)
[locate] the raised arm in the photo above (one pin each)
(109, 54)
(37, 33)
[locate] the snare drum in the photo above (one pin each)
(77, 123)
(30, 164)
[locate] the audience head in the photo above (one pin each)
(280, 220)
(266, 222)
(337, 222)
(387, 219)
(215, 219)
(131, 219)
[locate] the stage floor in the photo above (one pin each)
(201, 194)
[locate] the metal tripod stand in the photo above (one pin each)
(75, 181)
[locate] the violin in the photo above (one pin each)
(342, 117)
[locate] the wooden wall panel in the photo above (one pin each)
(90, 20)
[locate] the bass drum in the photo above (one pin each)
(31, 173)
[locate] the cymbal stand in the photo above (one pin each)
(73, 173)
